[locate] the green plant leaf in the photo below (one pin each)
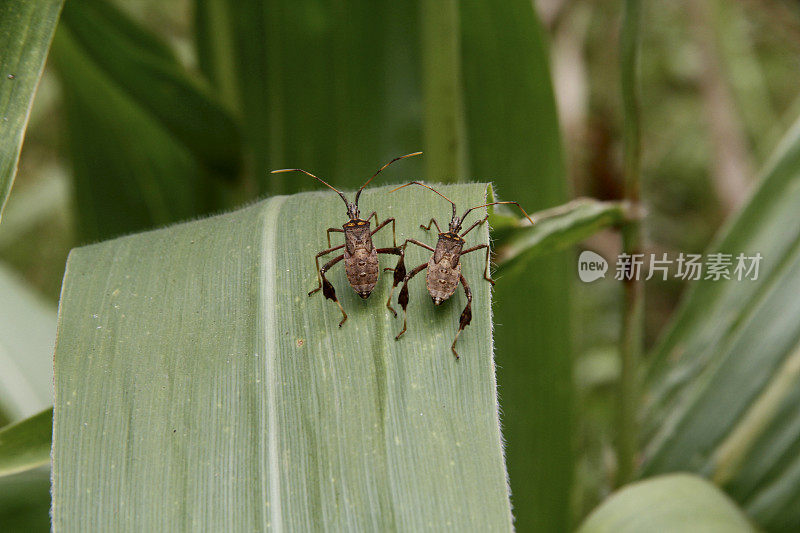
(555, 229)
(27, 336)
(672, 503)
(198, 384)
(726, 375)
(140, 133)
(26, 445)
(329, 87)
(26, 29)
(442, 91)
(514, 141)
(150, 75)
(25, 502)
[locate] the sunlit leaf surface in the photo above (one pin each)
(197, 385)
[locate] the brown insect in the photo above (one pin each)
(360, 255)
(444, 268)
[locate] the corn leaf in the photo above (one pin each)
(725, 382)
(26, 29)
(198, 386)
(25, 502)
(151, 76)
(678, 502)
(145, 140)
(554, 229)
(26, 445)
(514, 141)
(328, 86)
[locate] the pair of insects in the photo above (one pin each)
(361, 256)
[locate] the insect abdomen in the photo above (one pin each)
(442, 279)
(362, 270)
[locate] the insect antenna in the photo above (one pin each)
(316, 178)
(495, 203)
(431, 188)
(379, 171)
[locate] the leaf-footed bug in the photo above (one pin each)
(444, 268)
(360, 255)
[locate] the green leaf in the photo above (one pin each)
(25, 502)
(215, 48)
(139, 131)
(197, 384)
(555, 229)
(726, 375)
(27, 336)
(673, 503)
(514, 140)
(26, 444)
(26, 29)
(25, 474)
(149, 74)
(442, 90)
(329, 87)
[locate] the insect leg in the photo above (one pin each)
(399, 271)
(382, 224)
(428, 227)
(316, 260)
(486, 274)
(327, 287)
(422, 244)
(373, 214)
(403, 298)
(466, 315)
(336, 230)
(478, 223)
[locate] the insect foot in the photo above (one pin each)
(360, 255)
(444, 266)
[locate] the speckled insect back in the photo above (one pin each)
(360, 255)
(444, 266)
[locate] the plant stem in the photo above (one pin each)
(444, 122)
(631, 338)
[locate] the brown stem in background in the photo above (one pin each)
(632, 334)
(732, 166)
(779, 14)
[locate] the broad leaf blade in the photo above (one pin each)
(669, 503)
(26, 444)
(197, 383)
(514, 141)
(726, 374)
(26, 29)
